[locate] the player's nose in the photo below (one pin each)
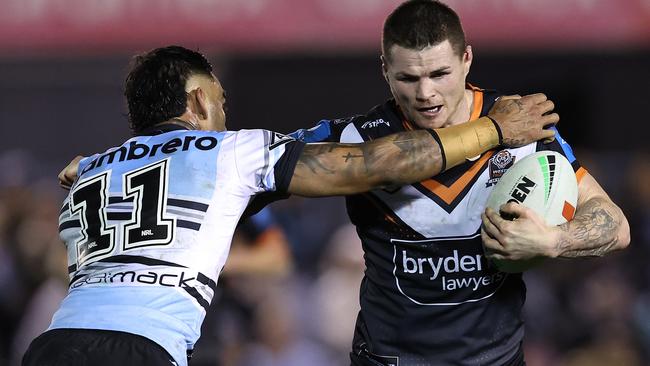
(424, 90)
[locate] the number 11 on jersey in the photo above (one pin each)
(149, 225)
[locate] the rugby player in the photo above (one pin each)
(430, 296)
(148, 224)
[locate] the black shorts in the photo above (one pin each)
(365, 358)
(92, 347)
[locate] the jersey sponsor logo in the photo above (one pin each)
(445, 271)
(135, 150)
(159, 278)
(499, 164)
(375, 123)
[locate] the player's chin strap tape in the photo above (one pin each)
(467, 140)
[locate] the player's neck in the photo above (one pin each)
(464, 110)
(180, 122)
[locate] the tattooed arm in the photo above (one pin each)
(338, 169)
(599, 226)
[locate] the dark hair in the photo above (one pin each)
(155, 86)
(416, 24)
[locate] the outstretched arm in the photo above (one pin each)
(327, 169)
(340, 169)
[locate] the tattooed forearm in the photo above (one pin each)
(596, 252)
(311, 158)
(592, 232)
(412, 150)
(333, 169)
(407, 157)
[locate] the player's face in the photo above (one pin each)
(429, 84)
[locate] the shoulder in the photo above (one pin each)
(559, 144)
(326, 130)
(487, 98)
(382, 119)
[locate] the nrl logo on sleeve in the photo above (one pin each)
(499, 164)
(375, 123)
(278, 139)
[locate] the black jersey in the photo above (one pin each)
(429, 295)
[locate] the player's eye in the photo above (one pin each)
(408, 79)
(439, 74)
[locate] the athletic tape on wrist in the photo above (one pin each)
(466, 140)
(442, 150)
(496, 125)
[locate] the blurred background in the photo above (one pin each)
(289, 295)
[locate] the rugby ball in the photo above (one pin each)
(544, 182)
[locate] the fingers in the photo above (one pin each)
(548, 136)
(546, 106)
(495, 218)
(536, 98)
(64, 180)
(512, 209)
(68, 175)
(64, 184)
(491, 247)
(489, 225)
(550, 119)
(509, 97)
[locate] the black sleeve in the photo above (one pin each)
(262, 200)
(285, 166)
(283, 172)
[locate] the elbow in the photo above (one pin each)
(623, 235)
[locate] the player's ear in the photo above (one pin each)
(197, 103)
(384, 67)
(468, 56)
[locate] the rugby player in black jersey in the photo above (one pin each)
(430, 295)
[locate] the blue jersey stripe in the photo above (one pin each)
(318, 133)
(566, 148)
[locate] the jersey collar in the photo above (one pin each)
(161, 128)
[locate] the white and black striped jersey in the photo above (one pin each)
(148, 226)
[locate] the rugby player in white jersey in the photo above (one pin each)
(148, 224)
